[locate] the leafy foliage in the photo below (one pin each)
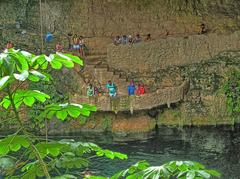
(173, 169)
(62, 111)
(38, 159)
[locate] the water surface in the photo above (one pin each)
(216, 148)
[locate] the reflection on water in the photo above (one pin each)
(217, 148)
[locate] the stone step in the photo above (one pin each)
(93, 57)
(122, 79)
(117, 72)
(96, 52)
(101, 70)
(102, 66)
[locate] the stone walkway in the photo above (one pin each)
(134, 103)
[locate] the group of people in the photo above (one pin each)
(75, 43)
(130, 40)
(94, 90)
(111, 89)
(132, 89)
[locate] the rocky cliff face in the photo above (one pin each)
(204, 104)
(100, 20)
(163, 53)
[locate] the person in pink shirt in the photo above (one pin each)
(59, 47)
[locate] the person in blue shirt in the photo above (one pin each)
(131, 88)
(112, 90)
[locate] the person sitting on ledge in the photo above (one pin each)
(76, 45)
(117, 40)
(69, 37)
(81, 46)
(90, 90)
(137, 38)
(130, 39)
(112, 90)
(140, 89)
(99, 90)
(9, 45)
(59, 47)
(203, 29)
(131, 88)
(124, 40)
(148, 38)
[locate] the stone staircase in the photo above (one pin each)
(97, 71)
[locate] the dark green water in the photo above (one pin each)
(216, 148)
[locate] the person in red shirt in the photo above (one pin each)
(9, 45)
(140, 89)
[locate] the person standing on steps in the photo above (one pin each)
(117, 40)
(130, 39)
(131, 88)
(203, 29)
(81, 46)
(140, 89)
(9, 45)
(90, 90)
(138, 38)
(76, 45)
(148, 38)
(111, 88)
(69, 35)
(59, 47)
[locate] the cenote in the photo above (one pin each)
(215, 147)
(156, 80)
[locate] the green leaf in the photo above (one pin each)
(4, 150)
(203, 174)
(33, 78)
(3, 81)
(61, 114)
(56, 64)
(213, 173)
(39, 75)
(190, 175)
(109, 154)
(29, 101)
(73, 112)
(21, 77)
(13, 143)
(75, 59)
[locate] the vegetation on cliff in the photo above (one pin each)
(232, 91)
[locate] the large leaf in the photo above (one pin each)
(4, 81)
(27, 97)
(13, 143)
(21, 77)
(62, 111)
(36, 76)
(75, 59)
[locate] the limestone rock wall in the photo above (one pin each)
(100, 20)
(162, 53)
